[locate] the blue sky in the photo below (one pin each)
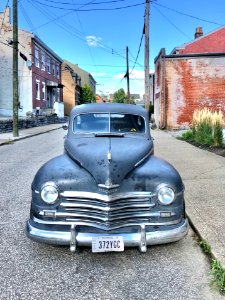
(94, 34)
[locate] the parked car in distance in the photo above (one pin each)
(108, 190)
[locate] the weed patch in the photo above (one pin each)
(206, 248)
(218, 273)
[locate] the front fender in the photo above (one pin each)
(153, 172)
(66, 173)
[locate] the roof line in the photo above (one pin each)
(196, 40)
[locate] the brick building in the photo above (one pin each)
(191, 77)
(39, 69)
(72, 88)
(86, 77)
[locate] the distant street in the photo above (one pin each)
(29, 270)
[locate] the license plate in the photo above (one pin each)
(107, 244)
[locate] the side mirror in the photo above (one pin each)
(153, 126)
(65, 126)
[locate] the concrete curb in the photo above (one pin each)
(15, 139)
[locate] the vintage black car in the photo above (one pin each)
(108, 190)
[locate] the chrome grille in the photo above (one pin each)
(93, 207)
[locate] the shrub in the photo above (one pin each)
(217, 124)
(207, 127)
(188, 135)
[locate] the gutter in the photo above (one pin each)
(164, 91)
(193, 55)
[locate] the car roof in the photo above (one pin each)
(109, 107)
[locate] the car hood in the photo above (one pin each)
(108, 159)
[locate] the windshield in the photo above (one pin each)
(108, 123)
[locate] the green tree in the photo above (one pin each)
(87, 95)
(132, 101)
(120, 96)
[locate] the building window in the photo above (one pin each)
(43, 90)
(48, 65)
(58, 95)
(37, 57)
(57, 71)
(38, 89)
(43, 61)
(53, 69)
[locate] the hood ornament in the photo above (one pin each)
(109, 155)
(108, 185)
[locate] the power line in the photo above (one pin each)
(118, 84)
(64, 15)
(138, 52)
(187, 15)
(168, 20)
(89, 48)
(26, 16)
(91, 9)
(111, 66)
(6, 44)
(73, 4)
(70, 29)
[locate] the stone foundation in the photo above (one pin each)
(35, 121)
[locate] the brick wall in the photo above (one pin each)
(191, 84)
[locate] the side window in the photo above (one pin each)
(36, 57)
(48, 65)
(57, 71)
(43, 61)
(43, 90)
(38, 89)
(53, 69)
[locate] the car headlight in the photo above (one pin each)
(49, 192)
(166, 195)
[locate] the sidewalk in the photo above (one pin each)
(203, 174)
(26, 133)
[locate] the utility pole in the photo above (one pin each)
(15, 69)
(146, 30)
(128, 77)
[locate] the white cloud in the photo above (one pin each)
(98, 74)
(94, 41)
(136, 74)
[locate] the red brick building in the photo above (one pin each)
(191, 77)
(46, 75)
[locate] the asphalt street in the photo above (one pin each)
(29, 270)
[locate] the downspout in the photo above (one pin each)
(164, 91)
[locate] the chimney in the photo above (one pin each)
(198, 32)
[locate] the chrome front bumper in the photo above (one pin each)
(142, 238)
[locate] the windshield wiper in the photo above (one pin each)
(109, 134)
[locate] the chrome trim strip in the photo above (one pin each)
(106, 198)
(130, 239)
(71, 206)
(108, 187)
(102, 225)
(143, 159)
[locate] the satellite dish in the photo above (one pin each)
(29, 64)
